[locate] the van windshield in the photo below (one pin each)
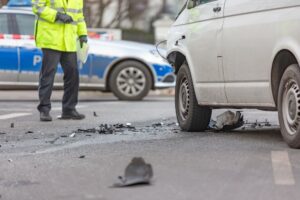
(182, 8)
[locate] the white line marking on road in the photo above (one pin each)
(282, 168)
(56, 109)
(14, 115)
(16, 109)
(60, 108)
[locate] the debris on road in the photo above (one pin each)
(95, 114)
(10, 160)
(107, 129)
(137, 172)
(82, 157)
(227, 121)
(29, 132)
(72, 135)
(52, 141)
(12, 125)
(157, 125)
(257, 124)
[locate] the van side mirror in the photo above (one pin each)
(191, 4)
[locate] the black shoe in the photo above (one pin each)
(45, 117)
(72, 115)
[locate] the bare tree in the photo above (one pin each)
(160, 11)
(121, 11)
(120, 15)
(94, 11)
(136, 9)
(103, 4)
(3, 2)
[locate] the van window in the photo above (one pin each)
(4, 24)
(25, 24)
(200, 2)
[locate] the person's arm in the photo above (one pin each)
(81, 25)
(81, 29)
(40, 8)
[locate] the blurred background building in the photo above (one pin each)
(139, 20)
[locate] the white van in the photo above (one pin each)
(237, 54)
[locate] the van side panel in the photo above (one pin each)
(252, 31)
(237, 7)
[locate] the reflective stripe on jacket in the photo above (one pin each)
(56, 35)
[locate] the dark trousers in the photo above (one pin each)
(68, 61)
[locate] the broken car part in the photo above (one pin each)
(137, 172)
(227, 121)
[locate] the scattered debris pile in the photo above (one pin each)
(256, 124)
(107, 129)
(230, 121)
(137, 172)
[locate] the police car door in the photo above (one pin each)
(9, 59)
(203, 41)
(30, 55)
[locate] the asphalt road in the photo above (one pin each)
(41, 160)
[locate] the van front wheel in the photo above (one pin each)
(289, 106)
(191, 117)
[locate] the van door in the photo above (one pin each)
(251, 30)
(205, 55)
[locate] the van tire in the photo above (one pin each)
(289, 106)
(191, 117)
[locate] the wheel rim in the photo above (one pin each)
(184, 99)
(131, 81)
(291, 107)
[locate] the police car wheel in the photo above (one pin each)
(130, 81)
(191, 117)
(289, 106)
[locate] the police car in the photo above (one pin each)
(128, 69)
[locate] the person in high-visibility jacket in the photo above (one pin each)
(59, 24)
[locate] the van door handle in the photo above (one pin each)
(217, 9)
(183, 37)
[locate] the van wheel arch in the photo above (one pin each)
(282, 61)
(176, 59)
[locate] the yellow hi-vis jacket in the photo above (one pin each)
(56, 35)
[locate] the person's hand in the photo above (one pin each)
(83, 39)
(67, 19)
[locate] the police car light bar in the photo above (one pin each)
(19, 3)
(16, 37)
